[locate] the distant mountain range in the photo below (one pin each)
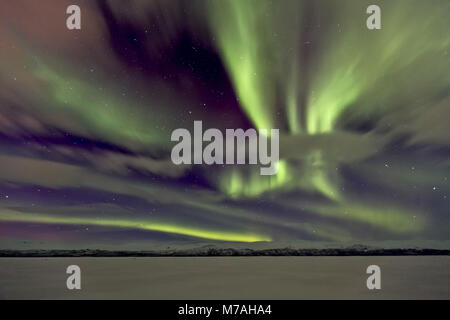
(357, 250)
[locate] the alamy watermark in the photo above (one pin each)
(237, 143)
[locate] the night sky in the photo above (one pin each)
(86, 117)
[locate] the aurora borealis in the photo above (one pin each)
(86, 118)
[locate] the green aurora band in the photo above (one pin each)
(311, 69)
